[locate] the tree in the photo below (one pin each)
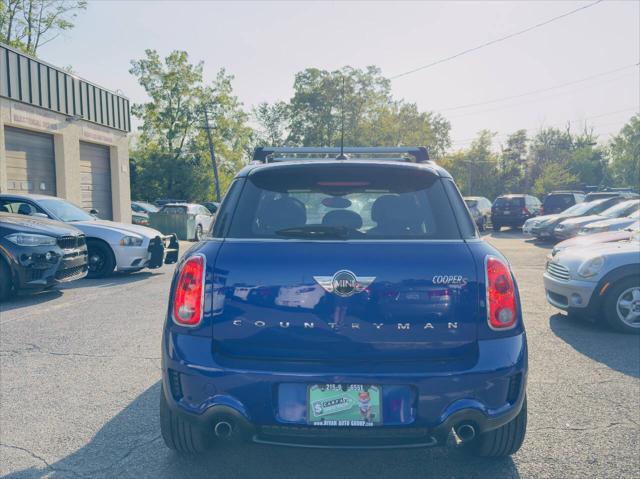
(358, 98)
(549, 146)
(29, 24)
(512, 163)
(624, 154)
(171, 157)
(321, 97)
(272, 124)
(476, 169)
(554, 177)
(400, 123)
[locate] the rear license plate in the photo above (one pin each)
(344, 405)
(506, 212)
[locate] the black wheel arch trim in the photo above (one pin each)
(613, 276)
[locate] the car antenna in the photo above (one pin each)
(342, 156)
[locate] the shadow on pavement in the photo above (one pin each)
(129, 445)
(507, 233)
(616, 350)
(26, 299)
(29, 299)
(113, 280)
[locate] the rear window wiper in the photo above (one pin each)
(315, 231)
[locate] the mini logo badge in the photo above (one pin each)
(344, 283)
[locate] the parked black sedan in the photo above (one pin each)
(37, 253)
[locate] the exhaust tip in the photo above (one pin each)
(466, 432)
(223, 429)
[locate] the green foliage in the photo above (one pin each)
(512, 163)
(272, 122)
(476, 170)
(361, 98)
(552, 159)
(554, 177)
(624, 155)
(29, 24)
(172, 157)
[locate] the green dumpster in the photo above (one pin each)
(174, 220)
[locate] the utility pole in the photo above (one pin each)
(212, 153)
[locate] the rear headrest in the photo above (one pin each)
(383, 208)
(408, 213)
(282, 213)
(399, 210)
(346, 218)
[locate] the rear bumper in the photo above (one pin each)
(420, 408)
(508, 220)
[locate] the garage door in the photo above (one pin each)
(95, 179)
(31, 164)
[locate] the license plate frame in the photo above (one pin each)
(344, 405)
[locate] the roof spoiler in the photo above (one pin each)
(417, 154)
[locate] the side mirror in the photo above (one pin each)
(93, 212)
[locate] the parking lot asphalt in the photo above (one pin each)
(79, 391)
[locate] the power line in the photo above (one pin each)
(497, 40)
(541, 90)
(534, 100)
(500, 136)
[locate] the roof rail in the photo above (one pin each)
(266, 154)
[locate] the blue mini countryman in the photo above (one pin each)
(344, 300)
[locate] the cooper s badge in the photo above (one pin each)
(344, 283)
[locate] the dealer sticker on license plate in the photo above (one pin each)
(344, 405)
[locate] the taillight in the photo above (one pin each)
(541, 211)
(525, 211)
(189, 293)
(502, 311)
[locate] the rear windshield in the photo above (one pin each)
(558, 201)
(344, 202)
(503, 202)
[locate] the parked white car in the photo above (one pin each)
(613, 224)
(571, 227)
(599, 281)
(112, 246)
(597, 238)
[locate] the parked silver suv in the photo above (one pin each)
(599, 281)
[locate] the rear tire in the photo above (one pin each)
(505, 440)
(621, 306)
(180, 435)
(101, 259)
(6, 282)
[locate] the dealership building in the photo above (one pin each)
(64, 136)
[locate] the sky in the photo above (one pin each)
(263, 44)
